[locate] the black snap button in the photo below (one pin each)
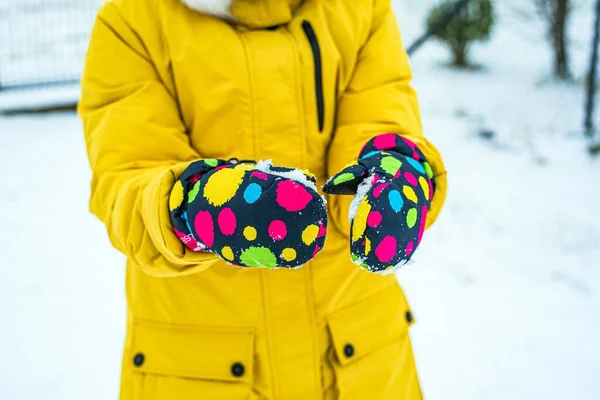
(138, 359)
(237, 370)
(409, 317)
(348, 350)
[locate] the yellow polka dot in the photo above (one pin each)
(246, 167)
(288, 254)
(250, 233)
(227, 253)
(360, 220)
(410, 193)
(367, 246)
(222, 185)
(309, 174)
(310, 234)
(176, 197)
(424, 186)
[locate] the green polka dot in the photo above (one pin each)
(258, 257)
(428, 170)
(194, 192)
(212, 162)
(391, 165)
(358, 261)
(411, 217)
(345, 177)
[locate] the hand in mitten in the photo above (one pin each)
(251, 215)
(393, 188)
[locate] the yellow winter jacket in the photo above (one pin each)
(304, 83)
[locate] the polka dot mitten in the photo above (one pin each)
(251, 215)
(393, 186)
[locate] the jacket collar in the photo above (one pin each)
(252, 13)
(217, 8)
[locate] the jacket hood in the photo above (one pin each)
(251, 13)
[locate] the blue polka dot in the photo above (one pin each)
(415, 164)
(396, 200)
(252, 193)
(370, 154)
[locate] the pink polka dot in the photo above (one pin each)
(410, 178)
(260, 175)
(227, 221)
(410, 247)
(292, 196)
(375, 179)
(317, 249)
(422, 224)
(416, 156)
(374, 219)
(205, 228)
(377, 191)
(221, 167)
(277, 230)
(195, 178)
(385, 142)
(322, 230)
(430, 188)
(409, 143)
(386, 250)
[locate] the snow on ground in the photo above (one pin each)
(61, 284)
(506, 287)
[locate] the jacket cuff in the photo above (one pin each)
(155, 212)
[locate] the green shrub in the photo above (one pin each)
(474, 22)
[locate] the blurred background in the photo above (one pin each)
(506, 287)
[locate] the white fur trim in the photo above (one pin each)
(218, 8)
(361, 193)
(295, 175)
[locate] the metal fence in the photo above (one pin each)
(43, 42)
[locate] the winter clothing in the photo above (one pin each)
(249, 215)
(164, 86)
(392, 184)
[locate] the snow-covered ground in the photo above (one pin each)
(506, 287)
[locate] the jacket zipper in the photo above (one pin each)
(318, 63)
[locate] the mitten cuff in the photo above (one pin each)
(184, 188)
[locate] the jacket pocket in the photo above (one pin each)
(318, 68)
(181, 362)
(371, 355)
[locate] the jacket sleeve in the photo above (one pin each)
(136, 143)
(379, 99)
